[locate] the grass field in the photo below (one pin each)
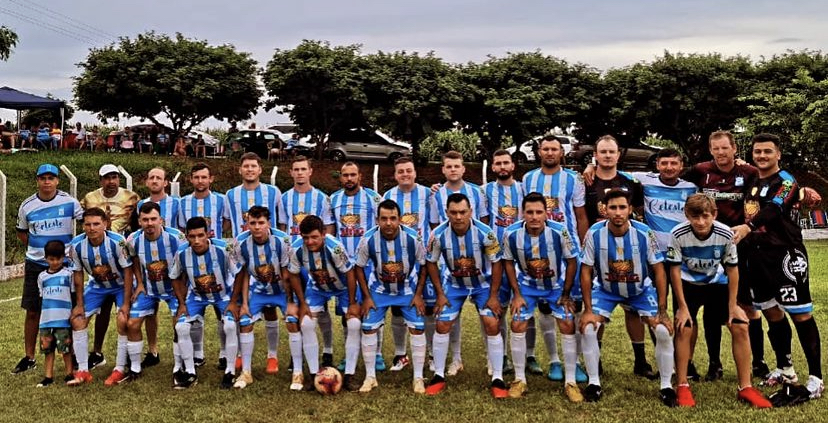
(627, 398)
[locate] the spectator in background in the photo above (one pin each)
(127, 143)
(57, 137)
(162, 144)
(144, 143)
(180, 147)
(80, 135)
(25, 136)
(44, 139)
(199, 146)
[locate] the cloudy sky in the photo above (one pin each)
(57, 34)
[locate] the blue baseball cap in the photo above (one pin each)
(47, 168)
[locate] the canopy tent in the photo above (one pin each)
(18, 100)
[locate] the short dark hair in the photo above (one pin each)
(311, 223)
(402, 160)
(617, 193)
(250, 156)
(765, 137)
(54, 248)
(550, 138)
(454, 155)
(200, 166)
(259, 211)
(389, 204)
(668, 152)
(196, 222)
(300, 158)
(148, 207)
(457, 197)
(533, 197)
(607, 138)
(95, 211)
(501, 152)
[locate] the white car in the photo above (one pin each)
(525, 154)
(209, 140)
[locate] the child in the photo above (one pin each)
(55, 286)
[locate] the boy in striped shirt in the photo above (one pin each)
(55, 285)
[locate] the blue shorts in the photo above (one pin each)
(429, 294)
(575, 293)
(532, 296)
(195, 310)
(645, 303)
(382, 302)
(145, 305)
(94, 297)
(457, 297)
(259, 302)
(318, 300)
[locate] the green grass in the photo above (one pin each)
(627, 398)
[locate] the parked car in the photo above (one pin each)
(525, 152)
(634, 155)
(364, 144)
(305, 147)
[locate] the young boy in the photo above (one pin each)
(704, 273)
(55, 287)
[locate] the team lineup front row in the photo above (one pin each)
(580, 278)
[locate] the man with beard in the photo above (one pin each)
(251, 192)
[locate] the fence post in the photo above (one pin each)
(73, 190)
(175, 186)
(485, 168)
(2, 220)
(273, 175)
(376, 178)
(127, 176)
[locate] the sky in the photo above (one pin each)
(55, 35)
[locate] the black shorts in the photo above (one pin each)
(713, 297)
(778, 276)
(31, 296)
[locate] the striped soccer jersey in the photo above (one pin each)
(103, 263)
(46, 221)
(664, 204)
(213, 208)
(477, 200)
(354, 215)
(504, 205)
(240, 200)
(563, 190)
(540, 259)
(56, 293)
(468, 257)
(295, 206)
(621, 264)
(702, 261)
(415, 207)
(155, 258)
(209, 275)
(264, 262)
(327, 268)
(170, 209)
(396, 263)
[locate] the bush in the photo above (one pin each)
(433, 147)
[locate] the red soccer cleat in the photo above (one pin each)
(80, 378)
(115, 378)
(753, 397)
(684, 396)
(437, 385)
(499, 389)
(272, 366)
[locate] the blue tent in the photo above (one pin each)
(18, 100)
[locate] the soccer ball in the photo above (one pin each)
(328, 381)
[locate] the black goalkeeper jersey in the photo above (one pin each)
(771, 213)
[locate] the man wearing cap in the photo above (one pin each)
(47, 215)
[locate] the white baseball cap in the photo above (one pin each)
(107, 169)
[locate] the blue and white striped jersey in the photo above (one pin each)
(45, 221)
(103, 263)
(210, 275)
(505, 205)
(621, 264)
(170, 210)
(396, 263)
(468, 257)
(473, 192)
(155, 258)
(240, 200)
(326, 268)
(540, 259)
(563, 190)
(702, 261)
(213, 208)
(354, 215)
(664, 204)
(56, 293)
(415, 207)
(264, 262)
(295, 206)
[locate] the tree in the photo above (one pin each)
(185, 80)
(8, 40)
(34, 117)
(319, 86)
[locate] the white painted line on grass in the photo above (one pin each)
(10, 299)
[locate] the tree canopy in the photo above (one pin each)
(8, 40)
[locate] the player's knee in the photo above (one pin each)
(774, 314)
(739, 330)
(491, 326)
(354, 324)
(246, 328)
(79, 323)
(134, 325)
(567, 327)
(801, 317)
(662, 333)
(415, 332)
(519, 326)
(308, 324)
(443, 327)
(591, 331)
(369, 332)
(229, 327)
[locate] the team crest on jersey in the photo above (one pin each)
(567, 239)
(751, 209)
(602, 211)
(321, 277)
(410, 219)
(157, 270)
(266, 273)
(206, 284)
(244, 226)
(102, 274)
(538, 268)
(350, 225)
(494, 246)
(795, 266)
(465, 267)
(671, 254)
(622, 271)
(506, 216)
(392, 272)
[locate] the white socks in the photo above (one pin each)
(369, 354)
(246, 344)
(352, 345)
(430, 328)
(570, 353)
(326, 327)
(232, 345)
(121, 355)
(272, 330)
(455, 338)
(549, 328)
(310, 344)
(664, 355)
(177, 357)
(592, 353)
(295, 339)
(518, 343)
(80, 343)
(440, 345)
(399, 332)
(185, 344)
(197, 336)
(495, 344)
(418, 354)
(134, 349)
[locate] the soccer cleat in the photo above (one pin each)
(419, 386)
(297, 382)
(692, 374)
(684, 396)
(532, 366)
(454, 368)
(714, 372)
(222, 363)
(760, 369)
(187, 380)
(517, 388)
(45, 382)
(80, 378)
(668, 397)
(133, 376)
(399, 363)
(573, 393)
(780, 376)
(789, 395)
(68, 377)
(508, 367)
(177, 376)
(243, 381)
(436, 385)
(23, 365)
(593, 393)
(151, 359)
(226, 381)
(368, 384)
(341, 366)
(272, 366)
(379, 364)
(555, 373)
(96, 359)
(753, 397)
(645, 370)
(580, 374)
(499, 389)
(327, 360)
(238, 363)
(815, 386)
(350, 384)
(116, 378)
